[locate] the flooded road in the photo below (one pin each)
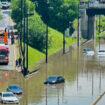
(84, 79)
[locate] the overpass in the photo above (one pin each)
(88, 18)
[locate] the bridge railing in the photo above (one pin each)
(96, 5)
(92, 5)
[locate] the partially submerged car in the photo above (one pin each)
(54, 79)
(8, 98)
(5, 5)
(101, 53)
(15, 88)
(88, 51)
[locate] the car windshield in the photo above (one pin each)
(3, 52)
(88, 49)
(4, 3)
(8, 95)
(52, 78)
(14, 87)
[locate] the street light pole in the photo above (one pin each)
(99, 32)
(46, 42)
(78, 29)
(63, 42)
(47, 19)
(21, 25)
(27, 48)
(24, 36)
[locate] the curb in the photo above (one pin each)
(98, 98)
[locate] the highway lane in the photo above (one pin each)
(5, 22)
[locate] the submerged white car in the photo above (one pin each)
(89, 51)
(101, 53)
(8, 98)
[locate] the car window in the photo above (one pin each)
(102, 51)
(52, 78)
(13, 87)
(59, 78)
(8, 95)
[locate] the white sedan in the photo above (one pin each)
(89, 51)
(9, 98)
(101, 53)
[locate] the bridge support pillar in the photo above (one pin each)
(91, 27)
(84, 23)
(88, 25)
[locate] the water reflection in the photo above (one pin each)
(57, 89)
(84, 75)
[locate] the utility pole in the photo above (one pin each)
(88, 29)
(99, 30)
(47, 42)
(78, 29)
(27, 47)
(63, 42)
(24, 36)
(47, 20)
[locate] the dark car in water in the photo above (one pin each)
(14, 88)
(54, 79)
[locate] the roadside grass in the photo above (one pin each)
(101, 35)
(56, 38)
(1, 15)
(33, 57)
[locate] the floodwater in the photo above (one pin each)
(84, 79)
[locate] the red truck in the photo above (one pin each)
(3, 35)
(4, 54)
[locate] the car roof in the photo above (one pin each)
(4, 2)
(14, 85)
(55, 76)
(88, 49)
(6, 92)
(101, 50)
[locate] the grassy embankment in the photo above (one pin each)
(0, 15)
(101, 35)
(56, 43)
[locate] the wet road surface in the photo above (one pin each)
(5, 22)
(84, 79)
(84, 75)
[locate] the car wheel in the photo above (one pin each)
(2, 102)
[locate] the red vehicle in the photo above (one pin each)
(3, 35)
(4, 54)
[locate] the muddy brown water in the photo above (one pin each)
(84, 79)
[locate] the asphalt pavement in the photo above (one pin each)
(6, 22)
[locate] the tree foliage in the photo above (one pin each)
(59, 12)
(36, 26)
(37, 33)
(16, 9)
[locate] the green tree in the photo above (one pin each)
(62, 12)
(37, 33)
(16, 9)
